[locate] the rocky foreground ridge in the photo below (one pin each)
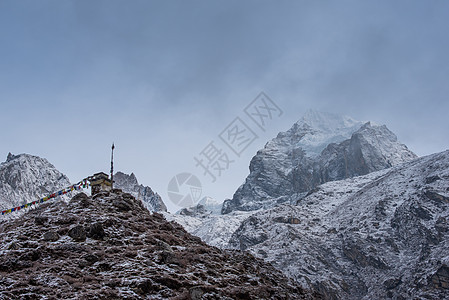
(111, 247)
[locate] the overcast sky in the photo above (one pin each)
(162, 79)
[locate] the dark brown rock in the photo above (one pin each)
(95, 231)
(13, 246)
(40, 220)
(440, 279)
(122, 204)
(77, 233)
(51, 236)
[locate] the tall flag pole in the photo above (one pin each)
(112, 166)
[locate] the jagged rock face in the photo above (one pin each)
(314, 151)
(25, 178)
(129, 184)
(378, 236)
(111, 247)
(371, 148)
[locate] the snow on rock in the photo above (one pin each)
(211, 205)
(382, 235)
(205, 221)
(316, 130)
(25, 178)
(205, 207)
(215, 230)
(319, 148)
(129, 184)
(111, 247)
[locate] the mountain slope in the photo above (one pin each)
(25, 178)
(319, 148)
(111, 247)
(213, 229)
(129, 184)
(205, 207)
(383, 235)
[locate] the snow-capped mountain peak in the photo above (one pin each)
(25, 178)
(315, 130)
(321, 147)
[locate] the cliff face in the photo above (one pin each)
(314, 151)
(111, 247)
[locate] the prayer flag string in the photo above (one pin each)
(75, 187)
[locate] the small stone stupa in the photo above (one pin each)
(100, 182)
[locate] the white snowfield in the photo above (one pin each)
(215, 230)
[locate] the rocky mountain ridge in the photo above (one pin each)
(111, 247)
(129, 184)
(26, 178)
(382, 235)
(380, 232)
